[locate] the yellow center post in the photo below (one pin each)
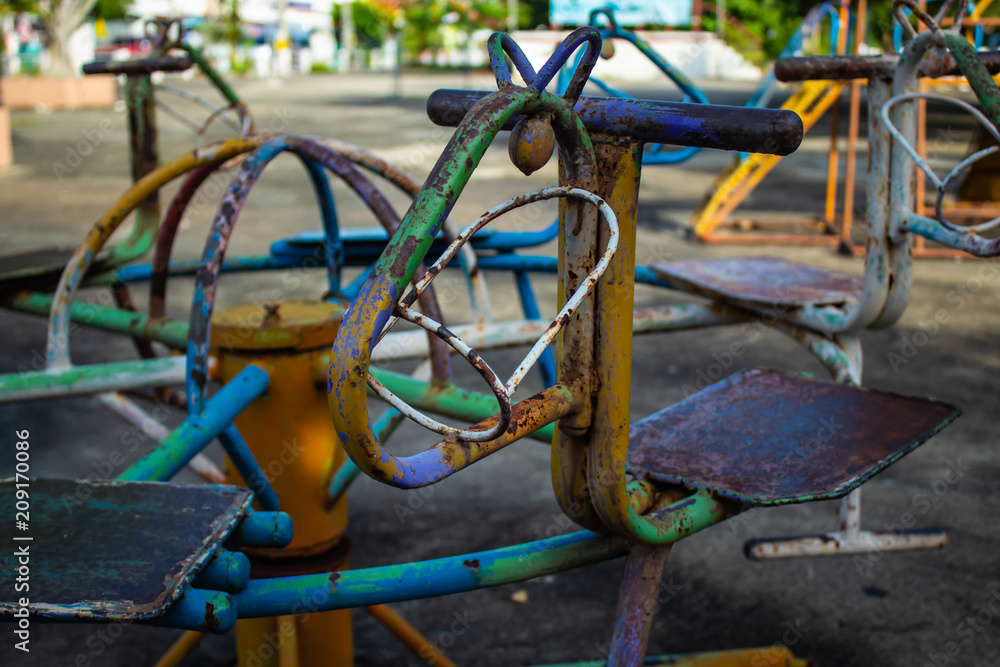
(291, 435)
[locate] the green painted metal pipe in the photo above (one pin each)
(410, 581)
(116, 320)
(28, 384)
(450, 575)
(449, 401)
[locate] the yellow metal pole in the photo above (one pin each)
(180, 648)
(833, 160)
(621, 163)
(290, 434)
(407, 634)
(853, 123)
(288, 651)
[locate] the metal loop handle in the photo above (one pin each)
(940, 184)
(57, 342)
(502, 390)
(589, 36)
(158, 30)
(501, 44)
(206, 282)
(608, 13)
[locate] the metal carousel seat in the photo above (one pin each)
(760, 281)
(134, 551)
(764, 437)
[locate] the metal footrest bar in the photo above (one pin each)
(842, 543)
(849, 539)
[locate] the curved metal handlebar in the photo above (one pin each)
(140, 66)
(377, 299)
(500, 44)
(901, 126)
(728, 128)
(502, 390)
(57, 342)
(941, 185)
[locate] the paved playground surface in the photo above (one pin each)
(886, 609)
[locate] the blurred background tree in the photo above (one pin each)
(228, 29)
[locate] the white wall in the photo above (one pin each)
(700, 55)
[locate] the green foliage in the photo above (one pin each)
(228, 27)
(111, 10)
(17, 6)
(533, 13)
(423, 19)
(372, 23)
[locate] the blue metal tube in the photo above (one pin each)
(138, 273)
(229, 572)
(354, 286)
(529, 304)
(245, 463)
(411, 581)
(328, 210)
(512, 262)
(178, 448)
(263, 530)
(204, 611)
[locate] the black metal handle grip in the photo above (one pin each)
(843, 68)
(772, 131)
(142, 66)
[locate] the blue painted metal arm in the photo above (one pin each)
(411, 581)
(245, 463)
(194, 434)
(529, 304)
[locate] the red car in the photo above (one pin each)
(124, 48)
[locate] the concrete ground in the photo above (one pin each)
(884, 609)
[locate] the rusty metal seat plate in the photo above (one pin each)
(765, 437)
(760, 280)
(119, 551)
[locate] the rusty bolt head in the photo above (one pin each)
(531, 144)
(607, 49)
(271, 311)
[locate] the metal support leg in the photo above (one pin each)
(637, 604)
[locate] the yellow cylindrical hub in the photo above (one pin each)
(291, 435)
